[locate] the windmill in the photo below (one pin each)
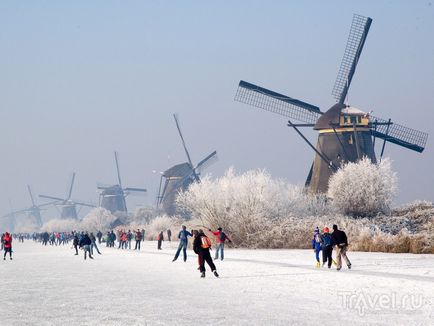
(113, 197)
(67, 207)
(179, 177)
(346, 134)
(33, 211)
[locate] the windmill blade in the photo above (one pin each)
(51, 197)
(135, 189)
(277, 103)
(163, 193)
(399, 135)
(117, 169)
(182, 138)
(207, 161)
(84, 204)
(70, 188)
(31, 195)
(47, 204)
(358, 33)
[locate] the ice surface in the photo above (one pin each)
(51, 286)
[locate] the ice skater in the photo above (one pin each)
(183, 243)
(201, 246)
(160, 239)
(327, 247)
(7, 245)
(85, 243)
(316, 245)
(340, 240)
(221, 238)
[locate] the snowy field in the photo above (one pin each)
(51, 286)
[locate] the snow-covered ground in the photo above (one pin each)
(51, 286)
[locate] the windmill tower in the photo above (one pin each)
(113, 197)
(179, 177)
(66, 206)
(346, 134)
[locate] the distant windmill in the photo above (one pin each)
(67, 207)
(113, 197)
(33, 211)
(346, 134)
(180, 176)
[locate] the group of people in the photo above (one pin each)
(325, 242)
(201, 246)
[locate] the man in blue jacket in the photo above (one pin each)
(183, 243)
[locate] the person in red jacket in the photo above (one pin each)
(7, 245)
(221, 237)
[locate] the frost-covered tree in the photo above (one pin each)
(98, 219)
(249, 204)
(363, 188)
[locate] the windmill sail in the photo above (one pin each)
(277, 103)
(358, 33)
(399, 135)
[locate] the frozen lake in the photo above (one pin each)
(51, 286)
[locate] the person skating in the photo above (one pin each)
(340, 240)
(138, 238)
(316, 245)
(201, 246)
(221, 238)
(85, 243)
(327, 247)
(169, 235)
(93, 244)
(99, 236)
(183, 243)
(75, 243)
(160, 239)
(129, 239)
(7, 245)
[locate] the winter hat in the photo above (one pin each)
(219, 228)
(316, 230)
(326, 230)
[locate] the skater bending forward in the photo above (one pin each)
(201, 246)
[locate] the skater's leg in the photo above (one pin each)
(177, 251)
(222, 248)
(184, 250)
(338, 258)
(208, 259)
(344, 255)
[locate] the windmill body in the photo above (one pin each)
(113, 197)
(345, 134)
(179, 177)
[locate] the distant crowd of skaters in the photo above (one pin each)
(88, 241)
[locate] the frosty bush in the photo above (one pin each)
(56, 225)
(162, 223)
(98, 219)
(363, 188)
(251, 206)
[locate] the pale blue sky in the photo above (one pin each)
(80, 79)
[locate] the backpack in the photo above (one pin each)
(206, 242)
(222, 236)
(327, 240)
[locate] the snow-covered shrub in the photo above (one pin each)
(363, 188)
(162, 223)
(251, 206)
(98, 219)
(64, 225)
(143, 215)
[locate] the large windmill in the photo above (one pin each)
(346, 134)
(67, 206)
(33, 211)
(113, 197)
(179, 177)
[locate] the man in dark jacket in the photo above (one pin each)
(138, 238)
(85, 243)
(340, 240)
(183, 243)
(201, 246)
(75, 243)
